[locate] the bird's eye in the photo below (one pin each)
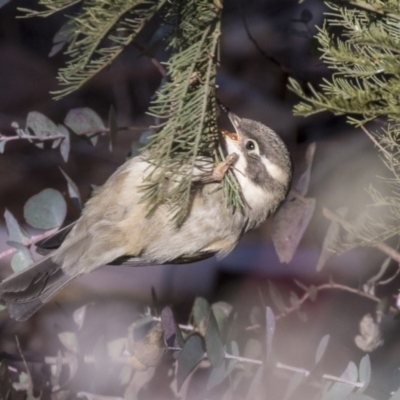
(251, 145)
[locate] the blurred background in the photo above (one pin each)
(253, 85)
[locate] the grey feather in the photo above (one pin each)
(114, 228)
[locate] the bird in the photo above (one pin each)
(114, 227)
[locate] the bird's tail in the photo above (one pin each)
(26, 291)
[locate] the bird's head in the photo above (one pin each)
(263, 169)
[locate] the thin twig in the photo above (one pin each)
(28, 372)
(303, 371)
(338, 379)
(376, 143)
(383, 247)
(155, 62)
(187, 327)
(4, 138)
(31, 241)
(330, 286)
(260, 49)
(368, 7)
(243, 359)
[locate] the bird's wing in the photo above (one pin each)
(53, 242)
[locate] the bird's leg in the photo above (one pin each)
(220, 170)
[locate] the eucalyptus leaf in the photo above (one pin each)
(358, 396)
(270, 330)
(168, 326)
(214, 346)
(62, 37)
(255, 384)
(289, 225)
(79, 316)
(276, 296)
(222, 312)
(396, 395)
(65, 145)
(116, 347)
(113, 126)
(304, 181)
(295, 381)
(294, 300)
(190, 356)
(22, 258)
(365, 373)
(15, 232)
(323, 344)
(219, 374)
(45, 210)
(70, 341)
(330, 239)
(84, 121)
(200, 312)
(73, 190)
(41, 125)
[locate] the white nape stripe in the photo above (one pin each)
(256, 196)
(274, 171)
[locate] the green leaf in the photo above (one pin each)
(45, 210)
(22, 258)
(340, 390)
(190, 356)
(270, 330)
(62, 37)
(276, 296)
(2, 146)
(116, 347)
(290, 223)
(295, 381)
(304, 181)
(172, 334)
(255, 384)
(222, 312)
(113, 126)
(70, 341)
(73, 190)
(41, 126)
(330, 239)
(396, 395)
(323, 344)
(84, 121)
(294, 300)
(65, 145)
(15, 232)
(200, 312)
(214, 346)
(358, 396)
(218, 375)
(365, 373)
(79, 316)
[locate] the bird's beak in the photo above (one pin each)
(233, 136)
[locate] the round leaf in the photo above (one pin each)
(45, 210)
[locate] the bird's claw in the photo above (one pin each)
(221, 169)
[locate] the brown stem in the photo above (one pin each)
(32, 240)
(330, 286)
